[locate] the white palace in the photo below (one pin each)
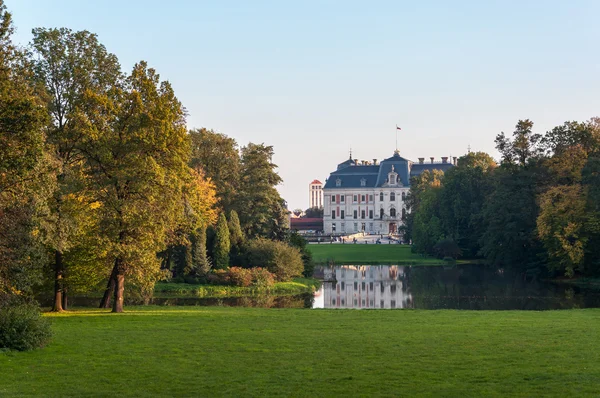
(370, 196)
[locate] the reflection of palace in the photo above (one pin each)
(366, 286)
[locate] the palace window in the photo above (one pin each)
(355, 214)
(381, 196)
(371, 215)
(338, 182)
(363, 182)
(333, 214)
(342, 198)
(355, 197)
(362, 198)
(392, 212)
(403, 213)
(370, 227)
(371, 198)
(333, 227)
(355, 227)
(392, 196)
(343, 227)
(403, 195)
(362, 214)
(342, 215)
(381, 213)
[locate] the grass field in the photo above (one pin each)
(369, 254)
(214, 351)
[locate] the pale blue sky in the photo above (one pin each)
(314, 78)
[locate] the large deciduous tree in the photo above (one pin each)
(72, 66)
(139, 162)
(23, 188)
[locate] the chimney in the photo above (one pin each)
(432, 159)
(375, 162)
(355, 161)
(421, 160)
(454, 160)
(444, 159)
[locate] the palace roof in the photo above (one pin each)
(352, 174)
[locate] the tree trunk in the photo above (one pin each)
(110, 288)
(119, 289)
(58, 282)
(65, 299)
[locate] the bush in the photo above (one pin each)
(277, 257)
(218, 277)
(23, 328)
(239, 276)
(262, 278)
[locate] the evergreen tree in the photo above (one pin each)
(200, 261)
(222, 244)
(235, 230)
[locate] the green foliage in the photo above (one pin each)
(297, 241)
(22, 327)
(262, 210)
(314, 212)
(245, 277)
(200, 262)
(222, 244)
(235, 230)
(217, 156)
(284, 261)
(447, 249)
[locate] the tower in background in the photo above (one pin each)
(315, 194)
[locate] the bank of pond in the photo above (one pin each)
(466, 286)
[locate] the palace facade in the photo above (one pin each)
(370, 196)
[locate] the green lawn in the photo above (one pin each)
(217, 351)
(368, 254)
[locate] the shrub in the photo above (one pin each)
(277, 257)
(239, 276)
(447, 248)
(23, 328)
(218, 277)
(262, 278)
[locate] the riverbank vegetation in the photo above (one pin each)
(537, 211)
(219, 351)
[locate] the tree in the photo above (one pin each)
(560, 225)
(297, 241)
(235, 230)
(200, 259)
(72, 66)
(278, 257)
(138, 160)
(524, 147)
(314, 212)
(24, 185)
(218, 157)
(222, 244)
(418, 185)
(263, 213)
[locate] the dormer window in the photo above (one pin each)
(363, 182)
(338, 182)
(392, 177)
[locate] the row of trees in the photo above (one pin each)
(99, 173)
(537, 211)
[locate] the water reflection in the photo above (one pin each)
(471, 287)
(375, 286)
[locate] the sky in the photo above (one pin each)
(316, 78)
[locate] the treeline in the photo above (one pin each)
(538, 211)
(102, 184)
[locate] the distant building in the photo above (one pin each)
(306, 225)
(315, 194)
(370, 197)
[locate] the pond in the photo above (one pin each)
(468, 287)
